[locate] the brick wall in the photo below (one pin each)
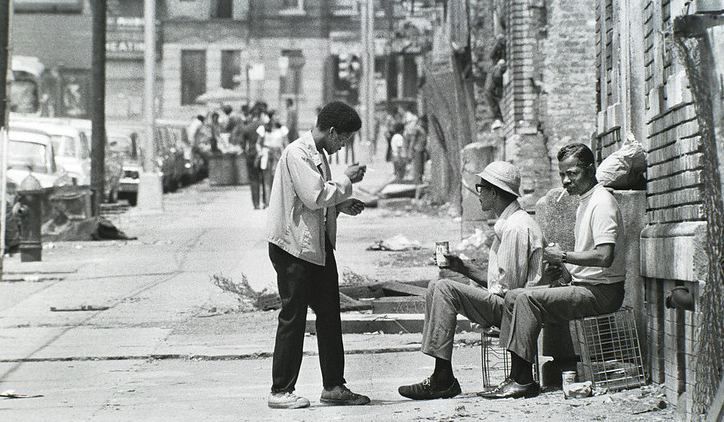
(569, 74)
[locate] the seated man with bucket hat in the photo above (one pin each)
(514, 261)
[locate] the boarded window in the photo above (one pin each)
(193, 75)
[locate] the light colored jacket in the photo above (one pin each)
(302, 194)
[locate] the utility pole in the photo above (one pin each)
(367, 40)
(98, 125)
(150, 188)
(5, 14)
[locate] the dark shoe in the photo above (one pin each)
(497, 388)
(341, 396)
(512, 390)
(427, 390)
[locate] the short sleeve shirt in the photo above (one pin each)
(599, 222)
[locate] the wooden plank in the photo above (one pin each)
(395, 288)
(347, 303)
(362, 291)
(399, 305)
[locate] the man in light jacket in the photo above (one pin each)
(302, 228)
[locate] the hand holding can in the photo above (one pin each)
(442, 249)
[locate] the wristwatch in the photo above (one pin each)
(564, 257)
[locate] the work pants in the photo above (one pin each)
(445, 299)
(302, 284)
(526, 310)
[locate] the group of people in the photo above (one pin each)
(527, 283)
(406, 136)
(255, 131)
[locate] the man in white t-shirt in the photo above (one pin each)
(589, 279)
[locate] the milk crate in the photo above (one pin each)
(608, 346)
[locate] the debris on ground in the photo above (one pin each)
(95, 228)
(81, 308)
(395, 243)
(249, 299)
(11, 394)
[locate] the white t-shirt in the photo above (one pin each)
(397, 145)
(598, 222)
(274, 138)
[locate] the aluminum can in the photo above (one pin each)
(568, 377)
(442, 248)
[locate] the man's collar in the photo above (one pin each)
(307, 141)
(589, 192)
(502, 220)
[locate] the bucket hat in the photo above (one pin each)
(503, 175)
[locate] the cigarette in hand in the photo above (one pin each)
(561, 196)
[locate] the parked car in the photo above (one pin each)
(112, 169)
(70, 147)
(125, 148)
(193, 163)
(30, 151)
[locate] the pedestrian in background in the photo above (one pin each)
(515, 261)
(247, 138)
(302, 227)
(273, 140)
(417, 136)
(399, 152)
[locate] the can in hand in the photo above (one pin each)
(441, 249)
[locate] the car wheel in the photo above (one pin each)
(113, 196)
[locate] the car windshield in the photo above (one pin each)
(121, 144)
(28, 155)
(65, 146)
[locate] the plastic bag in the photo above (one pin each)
(625, 168)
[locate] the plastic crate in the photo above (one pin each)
(609, 349)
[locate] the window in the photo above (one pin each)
(222, 9)
(48, 6)
(292, 7)
(193, 75)
(290, 81)
(293, 4)
(230, 68)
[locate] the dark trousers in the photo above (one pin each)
(255, 181)
(302, 284)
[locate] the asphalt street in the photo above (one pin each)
(137, 331)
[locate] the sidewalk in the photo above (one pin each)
(166, 344)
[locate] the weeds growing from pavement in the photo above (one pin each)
(249, 299)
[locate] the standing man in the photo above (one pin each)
(589, 279)
(515, 261)
(302, 227)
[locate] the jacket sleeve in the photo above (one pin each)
(310, 186)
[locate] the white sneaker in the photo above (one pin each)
(286, 400)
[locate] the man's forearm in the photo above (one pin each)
(476, 274)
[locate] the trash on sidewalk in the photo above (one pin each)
(78, 308)
(95, 228)
(395, 243)
(577, 390)
(11, 394)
